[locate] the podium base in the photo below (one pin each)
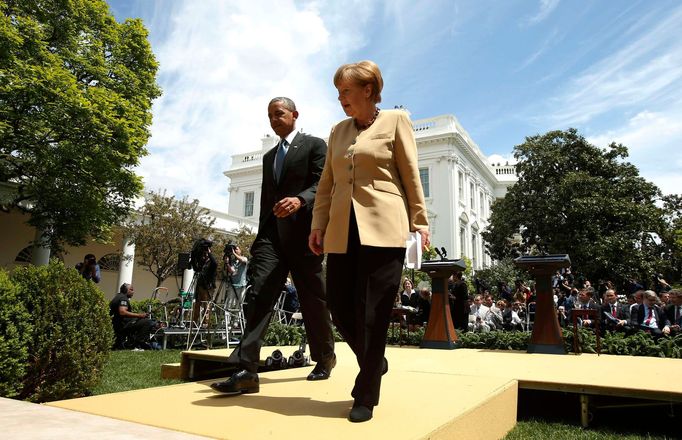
(444, 345)
(546, 348)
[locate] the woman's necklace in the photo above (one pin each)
(361, 127)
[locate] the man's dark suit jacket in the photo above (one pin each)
(300, 174)
(670, 314)
(622, 313)
(637, 318)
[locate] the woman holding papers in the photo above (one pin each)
(369, 198)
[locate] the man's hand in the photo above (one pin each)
(666, 330)
(286, 207)
(621, 322)
(316, 241)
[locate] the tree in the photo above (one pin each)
(164, 228)
(76, 91)
(573, 197)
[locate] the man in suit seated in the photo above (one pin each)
(674, 311)
(648, 317)
(585, 302)
(614, 315)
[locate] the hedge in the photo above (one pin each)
(67, 339)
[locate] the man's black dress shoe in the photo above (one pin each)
(241, 382)
(384, 367)
(322, 370)
(360, 413)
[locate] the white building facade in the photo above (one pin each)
(459, 186)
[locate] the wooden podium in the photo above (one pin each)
(440, 333)
(546, 337)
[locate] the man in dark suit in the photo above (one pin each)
(585, 302)
(615, 315)
(673, 311)
(291, 172)
(459, 294)
(648, 317)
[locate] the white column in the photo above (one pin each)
(41, 249)
(127, 264)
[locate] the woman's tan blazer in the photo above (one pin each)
(376, 170)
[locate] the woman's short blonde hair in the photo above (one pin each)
(362, 73)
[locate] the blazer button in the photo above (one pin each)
(350, 167)
(350, 181)
(353, 143)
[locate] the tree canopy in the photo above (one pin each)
(76, 91)
(166, 227)
(573, 197)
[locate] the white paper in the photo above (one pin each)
(413, 254)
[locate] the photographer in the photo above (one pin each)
(235, 264)
(89, 269)
(660, 284)
(204, 265)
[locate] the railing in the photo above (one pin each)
(505, 170)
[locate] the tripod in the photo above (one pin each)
(225, 299)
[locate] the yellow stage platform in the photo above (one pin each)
(435, 394)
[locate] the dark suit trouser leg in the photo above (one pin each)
(268, 274)
(306, 272)
(361, 287)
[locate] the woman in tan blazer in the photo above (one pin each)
(369, 197)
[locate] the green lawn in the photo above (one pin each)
(538, 420)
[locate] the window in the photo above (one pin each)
(462, 243)
(25, 255)
(461, 186)
(248, 204)
(474, 251)
(472, 197)
(110, 262)
(424, 177)
(481, 205)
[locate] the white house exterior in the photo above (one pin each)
(459, 185)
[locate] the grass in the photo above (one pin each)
(134, 370)
(542, 415)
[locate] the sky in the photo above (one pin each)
(505, 69)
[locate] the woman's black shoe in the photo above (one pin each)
(384, 367)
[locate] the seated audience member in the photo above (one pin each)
(571, 299)
(510, 319)
(562, 316)
(635, 299)
(614, 315)
(674, 311)
(477, 315)
(128, 323)
(648, 317)
(408, 294)
(585, 302)
(665, 299)
(494, 315)
(423, 306)
(522, 292)
(89, 269)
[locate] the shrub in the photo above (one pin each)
(15, 330)
(70, 336)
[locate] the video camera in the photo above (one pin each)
(228, 252)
